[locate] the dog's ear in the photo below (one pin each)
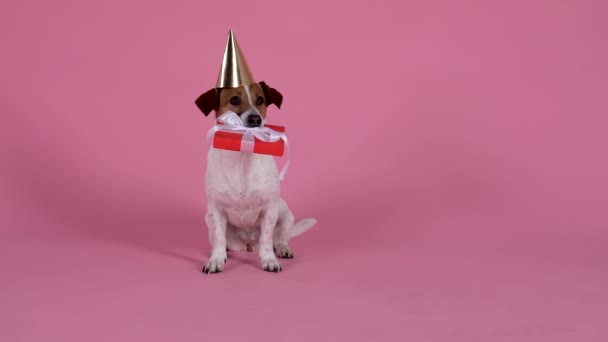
(272, 95)
(208, 101)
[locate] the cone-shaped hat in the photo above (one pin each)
(235, 71)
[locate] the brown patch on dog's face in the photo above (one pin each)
(272, 95)
(256, 97)
(242, 99)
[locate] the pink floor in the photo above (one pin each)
(106, 272)
(454, 154)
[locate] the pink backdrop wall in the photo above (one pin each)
(453, 151)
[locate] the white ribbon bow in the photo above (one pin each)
(232, 123)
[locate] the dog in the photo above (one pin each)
(245, 211)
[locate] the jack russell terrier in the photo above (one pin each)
(245, 210)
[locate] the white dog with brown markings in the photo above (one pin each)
(245, 209)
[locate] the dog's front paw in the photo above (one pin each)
(271, 265)
(214, 266)
(283, 250)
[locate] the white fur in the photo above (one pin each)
(245, 209)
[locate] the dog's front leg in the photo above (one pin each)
(267, 256)
(216, 224)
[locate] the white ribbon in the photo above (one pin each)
(232, 123)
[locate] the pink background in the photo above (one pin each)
(454, 153)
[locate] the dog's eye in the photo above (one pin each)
(235, 100)
(259, 101)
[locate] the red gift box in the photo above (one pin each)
(232, 141)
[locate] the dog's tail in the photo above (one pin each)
(302, 226)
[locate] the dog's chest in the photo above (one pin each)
(242, 184)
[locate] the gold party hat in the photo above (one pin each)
(235, 71)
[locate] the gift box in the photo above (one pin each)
(234, 141)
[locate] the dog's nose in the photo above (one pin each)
(254, 120)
